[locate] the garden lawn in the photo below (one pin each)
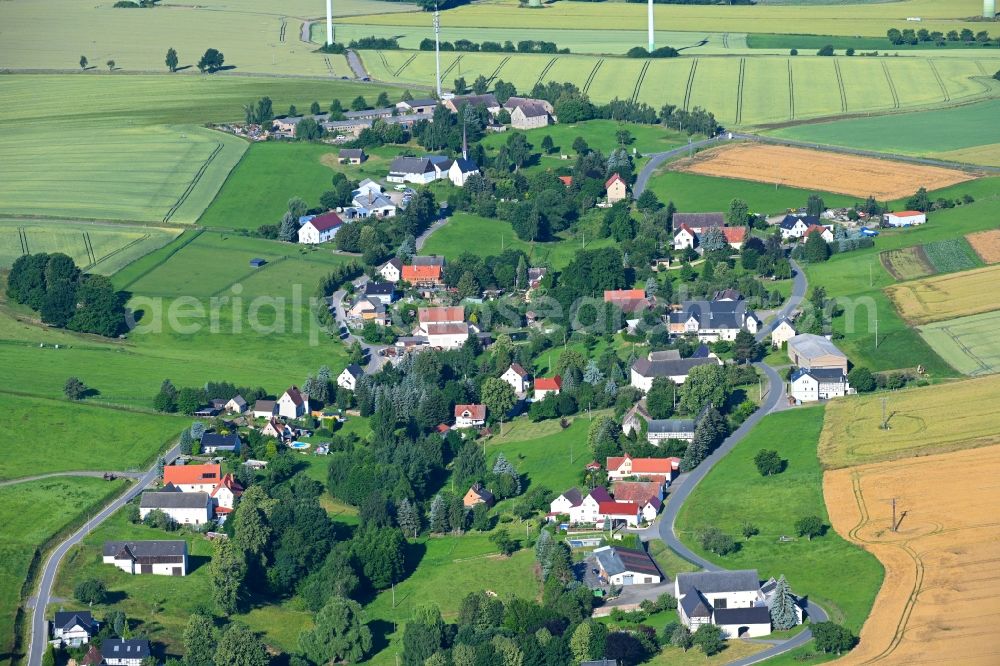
(554, 460)
(61, 436)
(32, 514)
(599, 135)
(734, 491)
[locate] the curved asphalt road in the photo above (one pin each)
(685, 484)
(657, 159)
(39, 637)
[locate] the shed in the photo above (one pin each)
(257, 262)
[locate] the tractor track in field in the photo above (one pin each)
(284, 28)
(725, 40)
(840, 85)
(492, 77)
(937, 75)
(739, 91)
(545, 70)
(89, 247)
(405, 65)
(385, 63)
(329, 65)
(791, 93)
(452, 66)
(982, 68)
(128, 245)
(892, 86)
(23, 237)
(194, 182)
(690, 84)
(640, 79)
(593, 73)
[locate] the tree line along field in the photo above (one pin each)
(129, 147)
(97, 248)
(922, 421)
(197, 266)
(32, 514)
(739, 90)
(734, 492)
(947, 296)
(940, 597)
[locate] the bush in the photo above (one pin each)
(90, 591)
(825, 51)
(793, 52)
(716, 541)
(768, 462)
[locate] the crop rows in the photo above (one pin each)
(949, 256)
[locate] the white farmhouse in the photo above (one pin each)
(782, 332)
(182, 508)
(819, 384)
(731, 600)
(625, 566)
(293, 403)
(905, 218)
(124, 651)
(665, 364)
(518, 378)
(460, 170)
(163, 558)
(348, 379)
(392, 270)
(73, 628)
(320, 228)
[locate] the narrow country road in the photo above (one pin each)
(358, 67)
(39, 637)
(657, 159)
(681, 489)
(39, 477)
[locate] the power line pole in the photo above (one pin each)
(437, 48)
(885, 421)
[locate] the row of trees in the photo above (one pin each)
(910, 36)
(523, 46)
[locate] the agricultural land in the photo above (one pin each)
(986, 244)
(941, 579)
(969, 344)
(921, 421)
(947, 296)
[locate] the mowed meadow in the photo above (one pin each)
(116, 147)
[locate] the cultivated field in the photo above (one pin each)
(943, 256)
(97, 248)
(906, 263)
(941, 594)
(969, 344)
(922, 421)
(986, 244)
(947, 296)
(810, 169)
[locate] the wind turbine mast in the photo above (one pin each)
(437, 47)
(329, 22)
(649, 16)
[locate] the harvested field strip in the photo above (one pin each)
(986, 244)
(940, 595)
(690, 84)
(840, 85)
(548, 66)
(590, 78)
(937, 76)
(922, 421)
(638, 82)
(947, 296)
(892, 86)
(739, 91)
(405, 64)
(822, 172)
(968, 344)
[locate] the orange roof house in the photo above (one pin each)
(566, 180)
(441, 315)
(420, 275)
(735, 236)
(192, 475)
(629, 300)
(616, 188)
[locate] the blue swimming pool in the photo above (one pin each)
(299, 445)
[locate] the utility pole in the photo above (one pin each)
(885, 421)
(329, 22)
(893, 514)
(876, 329)
(437, 47)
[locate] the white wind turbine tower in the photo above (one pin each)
(649, 16)
(437, 47)
(329, 22)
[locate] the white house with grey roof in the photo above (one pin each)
(73, 628)
(125, 651)
(419, 170)
(815, 351)
(657, 430)
(182, 508)
(625, 566)
(163, 558)
(807, 385)
(698, 222)
(731, 600)
(713, 320)
(348, 379)
(667, 364)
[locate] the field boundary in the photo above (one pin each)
(739, 91)
(194, 182)
(180, 246)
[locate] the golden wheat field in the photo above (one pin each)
(822, 171)
(940, 599)
(922, 421)
(944, 297)
(986, 244)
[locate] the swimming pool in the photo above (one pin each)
(299, 445)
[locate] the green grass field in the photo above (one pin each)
(97, 248)
(968, 344)
(734, 491)
(31, 515)
(117, 440)
(129, 147)
(696, 193)
(909, 133)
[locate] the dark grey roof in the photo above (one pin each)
(672, 368)
(379, 289)
(215, 440)
(699, 220)
(717, 582)
(466, 166)
(574, 496)
(395, 261)
(354, 122)
(67, 619)
(751, 615)
(488, 100)
(121, 648)
(821, 374)
(173, 500)
(616, 560)
(811, 346)
(600, 662)
(701, 352)
(727, 294)
(695, 605)
(411, 165)
(174, 548)
(355, 370)
(370, 113)
(423, 101)
(427, 260)
(352, 152)
(671, 425)
(789, 221)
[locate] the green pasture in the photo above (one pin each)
(115, 440)
(482, 236)
(909, 133)
(734, 492)
(696, 193)
(97, 248)
(32, 514)
(969, 344)
(868, 19)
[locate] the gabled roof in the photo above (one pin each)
(611, 181)
(352, 152)
(427, 260)
(566, 180)
(125, 648)
(670, 368)
(239, 400)
(379, 289)
(699, 220)
(354, 370)
(454, 313)
(264, 406)
(417, 165)
(615, 560)
(488, 100)
(143, 549)
(811, 346)
(294, 394)
(907, 213)
(623, 294)
(521, 372)
(422, 101)
(421, 273)
(684, 227)
(229, 481)
(173, 500)
(465, 165)
(326, 221)
(818, 228)
(448, 328)
(396, 262)
(548, 383)
(820, 374)
(481, 493)
(614, 508)
(743, 616)
(66, 620)
(93, 657)
(734, 234)
(600, 494)
(719, 582)
(635, 491)
(217, 441)
(474, 412)
(191, 474)
(664, 466)
(573, 496)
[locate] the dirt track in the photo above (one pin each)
(941, 594)
(822, 171)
